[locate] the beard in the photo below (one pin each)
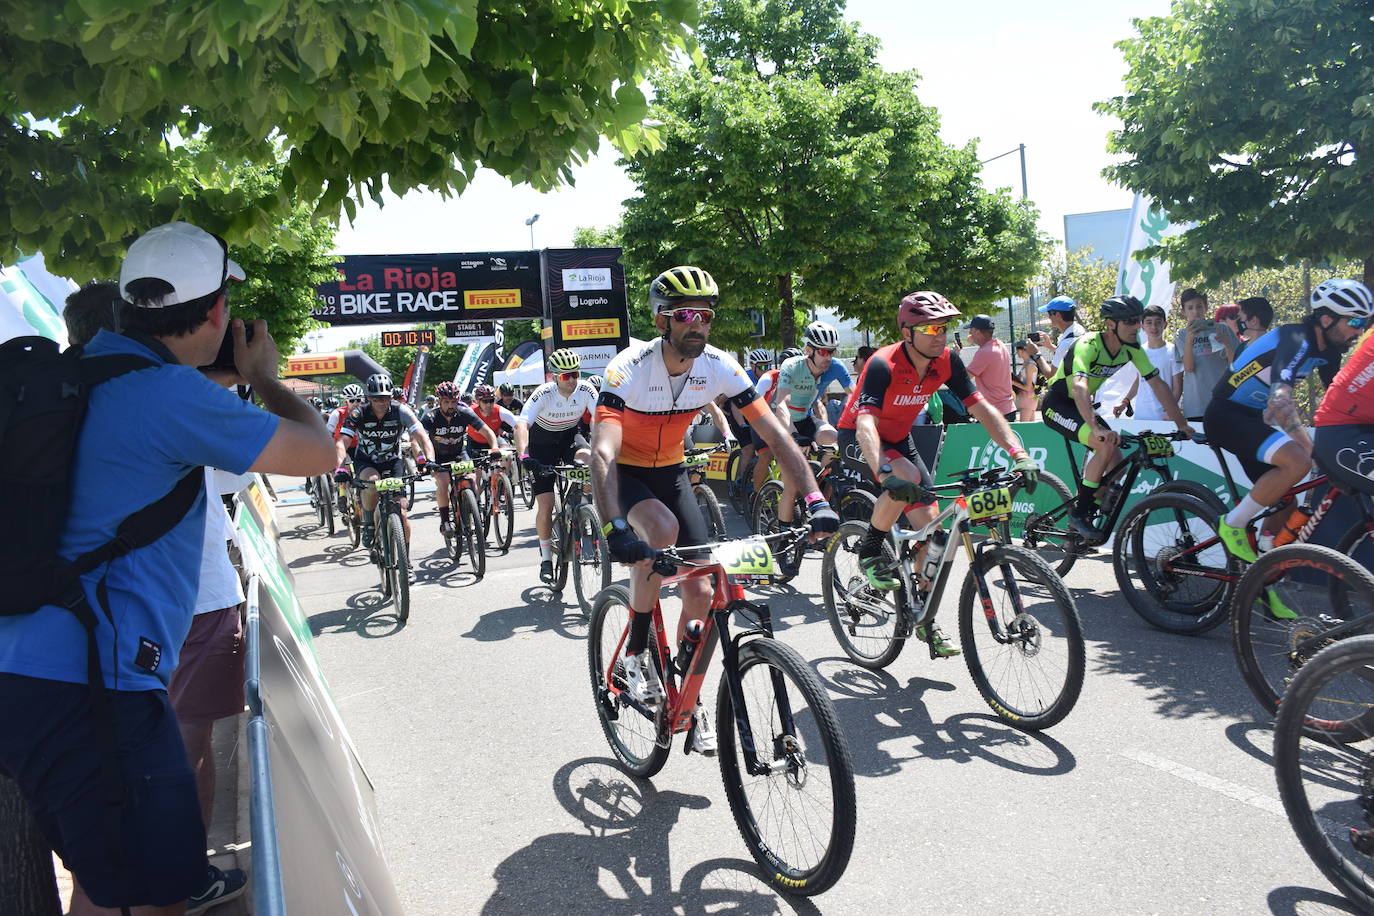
(690, 344)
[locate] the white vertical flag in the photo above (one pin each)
(1148, 280)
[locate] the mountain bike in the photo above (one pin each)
(389, 551)
(351, 510)
(1176, 573)
(697, 461)
(578, 542)
(524, 486)
(322, 499)
(1027, 657)
(1290, 604)
(1049, 533)
(464, 534)
(785, 763)
(1324, 764)
(497, 500)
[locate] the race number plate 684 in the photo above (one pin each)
(989, 505)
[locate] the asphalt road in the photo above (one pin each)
(498, 793)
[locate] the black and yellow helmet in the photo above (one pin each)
(564, 360)
(682, 284)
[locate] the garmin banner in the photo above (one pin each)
(584, 289)
(398, 288)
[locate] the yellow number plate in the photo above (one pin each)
(745, 562)
(387, 484)
(992, 504)
(698, 461)
(578, 475)
(1159, 447)
(461, 467)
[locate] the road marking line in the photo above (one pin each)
(360, 693)
(1243, 794)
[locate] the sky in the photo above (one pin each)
(1003, 71)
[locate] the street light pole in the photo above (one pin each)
(1025, 195)
(530, 222)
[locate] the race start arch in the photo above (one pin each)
(578, 294)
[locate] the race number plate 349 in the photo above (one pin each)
(746, 562)
(990, 505)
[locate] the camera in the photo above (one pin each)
(224, 359)
(1035, 336)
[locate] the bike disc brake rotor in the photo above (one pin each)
(1023, 631)
(787, 750)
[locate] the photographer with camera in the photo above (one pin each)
(1061, 311)
(1206, 349)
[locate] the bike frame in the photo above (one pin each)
(1131, 465)
(681, 701)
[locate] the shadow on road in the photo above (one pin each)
(880, 717)
(621, 863)
(359, 615)
(343, 553)
(539, 610)
(1297, 901)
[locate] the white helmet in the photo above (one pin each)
(1349, 298)
(820, 334)
(759, 355)
(353, 392)
(595, 381)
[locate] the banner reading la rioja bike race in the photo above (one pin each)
(419, 288)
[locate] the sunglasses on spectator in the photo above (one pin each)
(824, 351)
(569, 376)
(931, 330)
(693, 316)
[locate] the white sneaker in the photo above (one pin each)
(703, 735)
(641, 679)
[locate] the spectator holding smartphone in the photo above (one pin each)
(1206, 348)
(1062, 313)
(1024, 381)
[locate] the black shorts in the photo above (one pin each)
(393, 467)
(549, 453)
(803, 433)
(1062, 415)
(1242, 432)
(1346, 455)
(149, 851)
(670, 486)
(851, 455)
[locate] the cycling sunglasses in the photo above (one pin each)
(1357, 324)
(931, 330)
(569, 376)
(486, 400)
(693, 316)
(824, 351)
(1129, 322)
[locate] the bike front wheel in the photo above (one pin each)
(710, 510)
(398, 565)
(1042, 519)
(866, 621)
(1326, 780)
(474, 543)
(796, 812)
(1171, 565)
(630, 731)
(1025, 650)
(1284, 603)
(503, 512)
(591, 567)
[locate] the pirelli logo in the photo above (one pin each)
(587, 328)
(318, 364)
(1237, 378)
(491, 299)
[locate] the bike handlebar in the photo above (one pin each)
(666, 561)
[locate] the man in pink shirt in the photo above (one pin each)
(991, 366)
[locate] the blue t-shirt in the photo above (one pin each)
(143, 432)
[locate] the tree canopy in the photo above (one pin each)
(798, 171)
(353, 98)
(1247, 117)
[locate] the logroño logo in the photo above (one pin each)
(587, 301)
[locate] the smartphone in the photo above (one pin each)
(224, 359)
(1205, 324)
(1035, 336)
(958, 341)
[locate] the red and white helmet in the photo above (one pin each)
(446, 390)
(923, 307)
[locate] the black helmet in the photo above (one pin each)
(1119, 307)
(378, 385)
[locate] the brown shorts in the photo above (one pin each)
(208, 681)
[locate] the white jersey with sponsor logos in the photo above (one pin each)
(549, 410)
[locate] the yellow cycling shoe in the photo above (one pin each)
(1237, 541)
(1277, 609)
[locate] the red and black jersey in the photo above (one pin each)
(892, 391)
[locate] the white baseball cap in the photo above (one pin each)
(192, 260)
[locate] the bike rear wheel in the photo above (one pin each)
(628, 729)
(1320, 587)
(766, 522)
(1159, 560)
(737, 488)
(474, 543)
(503, 512)
(327, 500)
(453, 537)
(591, 568)
(562, 549)
(1042, 518)
(525, 484)
(1028, 665)
(797, 819)
(866, 621)
(1196, 490)
(857, 505)
(1325, 786)
(398, 565)
(710, 510)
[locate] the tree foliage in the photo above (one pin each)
(1085, 279)
(444, 357)
(1245, 116)
(798, 171)
(354, 97)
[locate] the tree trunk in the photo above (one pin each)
(787, 320)
(27, 882)
(1369, 272)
